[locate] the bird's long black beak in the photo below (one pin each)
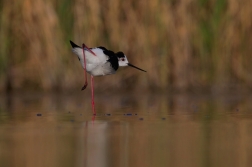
(136, 67)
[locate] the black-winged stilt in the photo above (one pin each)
(99, 61)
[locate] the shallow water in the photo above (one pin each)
(129, 131)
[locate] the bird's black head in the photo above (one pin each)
(120, 54)
(122, 59)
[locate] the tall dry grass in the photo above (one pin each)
(182, 44)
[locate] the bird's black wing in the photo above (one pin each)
(102, 48)
(112, 59)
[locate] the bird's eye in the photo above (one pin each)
(123, 59)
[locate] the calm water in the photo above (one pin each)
(148, 130)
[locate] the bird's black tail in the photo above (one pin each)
(74, 45)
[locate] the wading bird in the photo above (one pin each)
(99, 61)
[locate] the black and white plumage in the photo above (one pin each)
(104, 62)
(99, 61)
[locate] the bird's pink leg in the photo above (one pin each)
(84, 57)
(85, 68)
(88, 49)
(92, 89)
(93, 118)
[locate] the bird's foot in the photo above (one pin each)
(84, 86)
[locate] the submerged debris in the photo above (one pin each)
(39, 114)
(128, 114)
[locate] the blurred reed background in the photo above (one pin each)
(184, 45)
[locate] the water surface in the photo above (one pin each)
(129, 130)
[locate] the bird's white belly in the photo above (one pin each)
(94, 70)
(100, 70)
